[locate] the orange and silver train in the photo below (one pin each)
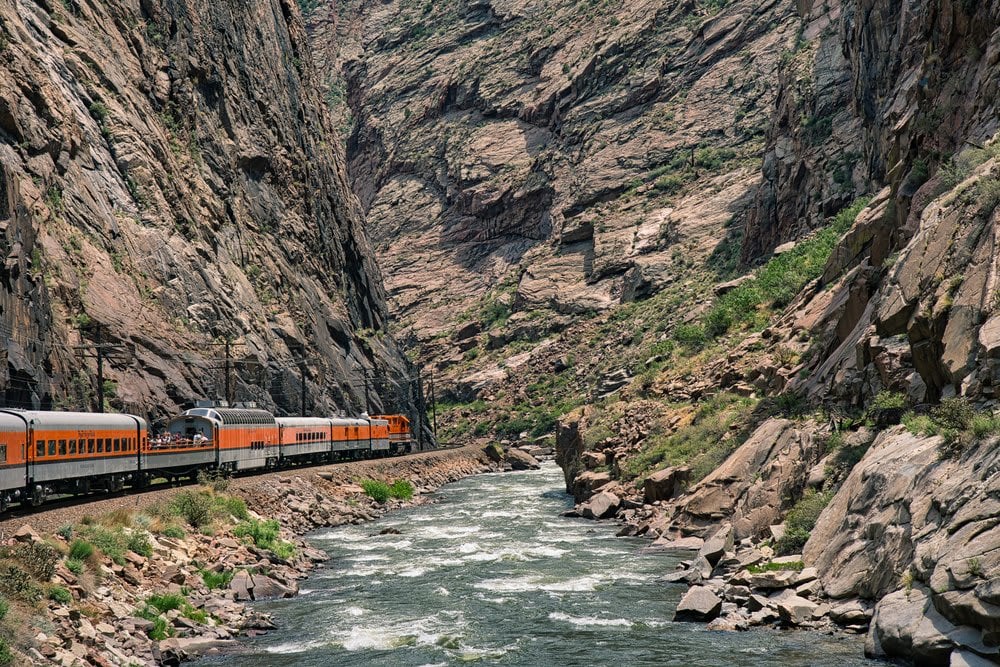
(48, 453)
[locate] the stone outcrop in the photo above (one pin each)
(666, 484)
(166, 175)
(569, 445)
(908, 518)
(752, 487)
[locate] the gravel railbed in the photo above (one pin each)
(49, 521)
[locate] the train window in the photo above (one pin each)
(90, 445)
(100, 445)
(117, 445)
(72, 446)
(52, 447)
(3, 453)
(40, 448)
(62, 448)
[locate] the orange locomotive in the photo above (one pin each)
(45, 453)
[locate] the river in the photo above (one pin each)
(491, 573)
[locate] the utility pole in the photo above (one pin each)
(421, 410)
(227, 368)
(302, 375)
(434, 416)
(102, 351)
(229, 399)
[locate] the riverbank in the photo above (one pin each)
(155, 579)
(887, 533)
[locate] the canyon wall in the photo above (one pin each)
(168, 181)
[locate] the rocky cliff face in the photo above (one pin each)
(167, 175)
(555, 157)
(921, 85)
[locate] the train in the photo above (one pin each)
(47, 453)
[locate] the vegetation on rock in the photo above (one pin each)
(800, 520)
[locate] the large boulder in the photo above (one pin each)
(521, 460)
(242, 586)
(666, 484)
(586, 484)
(862, 544)
(717, 545)
(794, 609)
(266, 588)
(698, 605)
(906, 625)
(604, 505)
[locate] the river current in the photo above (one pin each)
(492, 574)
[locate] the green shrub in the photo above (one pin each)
(166, 602)
(796, 566)
(194, 506)
(401, 489)
(919, 424)
(138, 542)
(691, 336)
(378, 491)
(800, 521)
(214, 580)
(161, 629)
(282, 549)
(260, 532)
(37, 558)
(264, 534)
(60, 595)
(18, 584)
(111, 542)
(65, 532)
(888, 400)
(953, 414)
(4, 608)
(719, 426)
(984, 425)
(81, 550)
(75, 566)
(233, 506)
(173, 531)
(776, 283)
(6, 655)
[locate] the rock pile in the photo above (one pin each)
(739, 585)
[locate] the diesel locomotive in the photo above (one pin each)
(45, 453)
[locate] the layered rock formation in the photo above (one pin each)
(167, 182)
(554, 157)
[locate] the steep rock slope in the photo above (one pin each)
(922, 84)
(166, 174)
(546, 156)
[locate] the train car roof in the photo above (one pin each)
(341, 421)
(304, 421)
(11, 423)
(232, 415)
(76, 420)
